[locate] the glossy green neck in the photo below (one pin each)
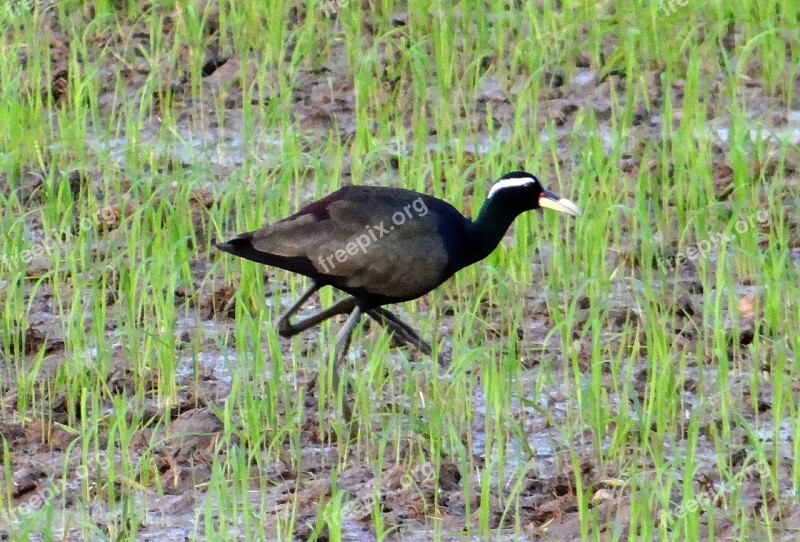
(491, 225)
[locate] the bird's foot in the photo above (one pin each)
(286, 329)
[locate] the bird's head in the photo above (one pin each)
(523, 191)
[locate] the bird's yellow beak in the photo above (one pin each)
(548, 200)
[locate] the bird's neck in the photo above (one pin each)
(489, 228)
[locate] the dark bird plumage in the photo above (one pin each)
(387, 262)
(403, 244)
(386, 245)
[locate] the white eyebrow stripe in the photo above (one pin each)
(508, 183)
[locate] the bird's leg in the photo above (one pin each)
(342, 346)
(285, 327)
(343, 306)
(404, 332)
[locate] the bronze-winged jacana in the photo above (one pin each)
(386, 245)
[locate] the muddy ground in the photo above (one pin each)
(322, 102)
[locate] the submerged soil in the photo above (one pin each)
(324, 102)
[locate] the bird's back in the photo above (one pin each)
(380, 244)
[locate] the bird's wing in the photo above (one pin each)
(363, 245)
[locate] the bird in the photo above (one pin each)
(385, 245)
